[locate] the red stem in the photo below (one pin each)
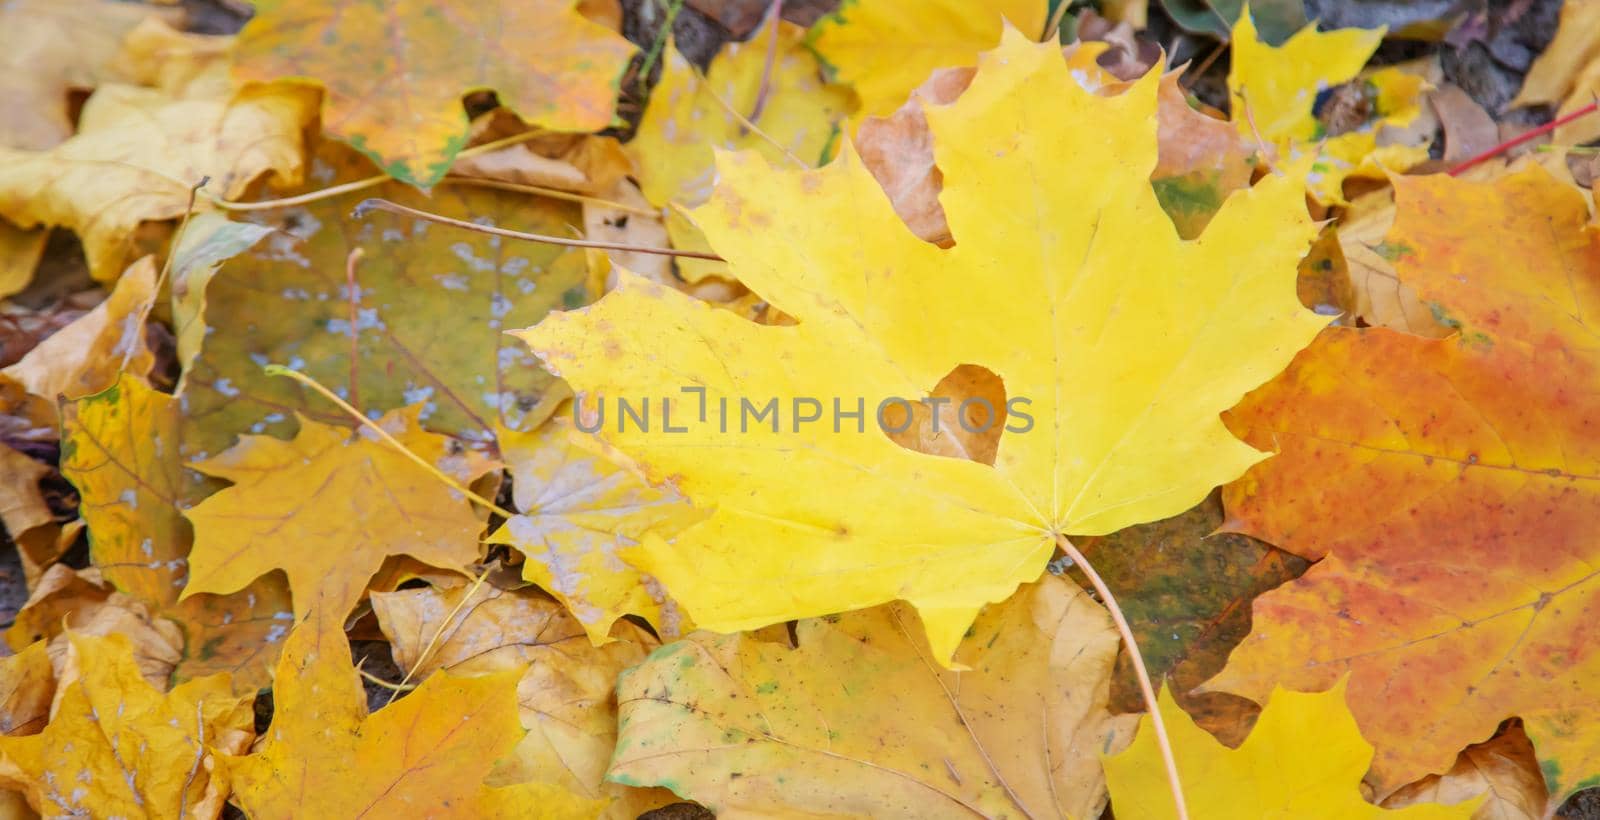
(1522, 138)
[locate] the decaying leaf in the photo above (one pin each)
(1303, 759)
(582, 513)
(22, 505)
(327, 508)
(1186, 589)
(1289, 95)
(885, 48)
(831, 516)
(1450, 483)
(20, 251)
(426, 324)
(860, 720)
(394, 72)
(116, 747)
(208, 240)
(425, 755)
(1504, 769)
(138, 153)
(566, 696)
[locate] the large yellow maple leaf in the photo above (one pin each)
(1303, 759)
(395, 70)
(1119, 341)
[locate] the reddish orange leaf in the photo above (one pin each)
(1453, 485)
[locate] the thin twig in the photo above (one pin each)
(1522, 138)
(361, 184)
(377, 681)
(369, 205)
(1199, 70)
(353, 296)
(428, 649)
(280, 370)
(1150, 702)
(743, 121)
(551, 193)
(772, 57)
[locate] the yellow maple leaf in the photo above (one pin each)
(860, 720)
(395, 72)
(118, 747)
(138, 153)
(327, 508)
(1118, 341)
(689, 117)
(1303, 759)
(581, 514)
(27, 686)
(566, 697)
(886, 48)
(425, 755)
(1277, 91)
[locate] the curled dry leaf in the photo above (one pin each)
(820, 518)
(582, 513)
(1505, 769)
(566, 696)
(886, 48)
(49, 48)
(116, 746)
(860, 719)
(1450, 483)
(394, 73)
(20, 252)
(138, 153)
(22, 505)
(181, 65)
(1381, 298)
(424, 755)
(84, 357)
(368, 501)
(1303, 759)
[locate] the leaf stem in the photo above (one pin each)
(1145, 688)
(551, 193)
(280, 370)
(369, 205)
(660, 42)
(483, 575)
(1522, 138)
(772, 57)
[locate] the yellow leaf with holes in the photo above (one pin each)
(118, 747)
(581, 514)
(1303, 759)
(328, 507)
(886, 48)
(395, 71)
(1278, 93)
(425, 755)
(1118, 345)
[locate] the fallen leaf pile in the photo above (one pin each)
(863, 417)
